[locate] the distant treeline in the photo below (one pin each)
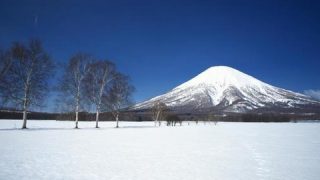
(258, 118)
(83, 116)
(251, 117)
(147, 116)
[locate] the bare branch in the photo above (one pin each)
(72, 83)
(27, 78)
(119, 95)
(97, 83)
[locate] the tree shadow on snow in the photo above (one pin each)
(75, 129)
(138, 127)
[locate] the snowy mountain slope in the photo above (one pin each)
(227, 89)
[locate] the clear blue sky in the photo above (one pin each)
(161, 44)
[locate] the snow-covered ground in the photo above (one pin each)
(54, 150)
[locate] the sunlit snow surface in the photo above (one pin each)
(54, 150)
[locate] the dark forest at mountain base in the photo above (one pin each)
(147, 116)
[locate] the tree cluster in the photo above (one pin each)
(25, 71)
(159, 111)
(90, 81)
(173, 119)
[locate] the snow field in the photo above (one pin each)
(137, 150)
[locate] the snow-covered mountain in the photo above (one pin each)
(229, 90)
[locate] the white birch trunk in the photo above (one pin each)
(25, 104)
(97, 119)
(157, 117)
(77, 108)
(117, 120)
(99, 98)
(77, 117)
(24, 125)
(77, 114)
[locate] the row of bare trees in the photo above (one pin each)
(97, 82)
(25, 70)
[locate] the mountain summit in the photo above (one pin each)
(226, 89)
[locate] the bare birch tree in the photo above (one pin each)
(5, 63)
(97, 82)
(72, 82)
(118, 96)
(158, 112)
(27, 77)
